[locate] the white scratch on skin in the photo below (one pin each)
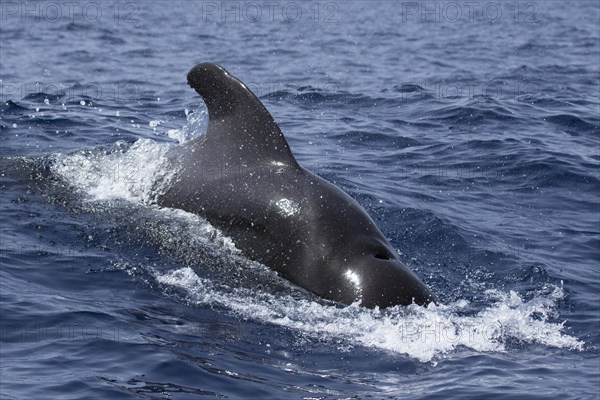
(280, 166)
(287, 207)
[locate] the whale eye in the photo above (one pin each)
(383, 255)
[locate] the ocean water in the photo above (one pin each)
(469, 131)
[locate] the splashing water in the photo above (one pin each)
(422, 333)
(122, 173)
(197, 122)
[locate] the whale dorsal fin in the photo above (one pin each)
(240, 129)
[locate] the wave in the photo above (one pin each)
(549, 172)
(574, 124)
(471, 114)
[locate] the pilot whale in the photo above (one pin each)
(242, 177)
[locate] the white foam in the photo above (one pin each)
(422, 333)
(121, 173)
(127, 173)
(196, 231)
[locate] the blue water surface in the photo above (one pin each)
(469, 131)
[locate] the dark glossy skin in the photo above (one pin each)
(242, 177)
